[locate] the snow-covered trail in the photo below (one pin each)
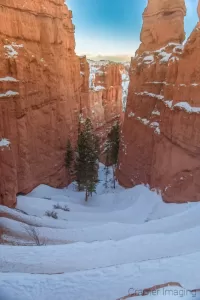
(98, 254)
(105, 283)
(120, 239)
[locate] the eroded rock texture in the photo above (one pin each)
(101, 97)
(162, 23)
(39, 94)
(45, 90)
(161, 132)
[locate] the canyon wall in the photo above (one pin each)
(161, 137)
(39, 94)
(102, 95)
(44, 90)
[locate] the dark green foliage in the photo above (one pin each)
(107, 163)
(92, 187)
(112, 148)
(113, 138)
(86, 159)
(51, 214)
(58, 206)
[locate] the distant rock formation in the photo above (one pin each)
(43, 92)
(125, 83)
(102, 95)
(161, 131)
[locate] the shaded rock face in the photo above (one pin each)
(39, 94)
(160, 142)
(101, 96)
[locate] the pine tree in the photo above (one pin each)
(69, 158)
(113, 148)
(107, 162)
(86, 160)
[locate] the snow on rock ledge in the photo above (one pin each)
(4, 143)
(186, 106)
(9, 94)
(11, 50)
(8, 78)
(125, 83)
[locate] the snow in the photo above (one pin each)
(98, 88)
(169, 103)
(165, 57)
(148, 59)
(119, 241)
(8, 78)
(186, 106)
(9, 94)
(4, 143)
(158, 82)
(145, 93)
(11, 49)
(143, 120)
(146, 122)
(178, 48)
(125, 85)
(155, 125)
(131, 114)
(95, 69)
(155, 112)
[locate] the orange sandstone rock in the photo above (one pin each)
(160, 142)
(39, 94)
(101, 97)
(198, 9)
(162, 23)
(44, 89)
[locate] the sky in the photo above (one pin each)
(112, 27)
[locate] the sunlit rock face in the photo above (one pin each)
(39, 94)
(162, 23)
(44, 91)
(160, 137)
(198, 9)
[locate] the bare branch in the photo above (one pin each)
(34, 234)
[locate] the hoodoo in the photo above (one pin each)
(163, 22)
(160, 144)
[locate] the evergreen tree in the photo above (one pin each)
(112, 148)
(107, 162)
(69, 157)
(86, 160)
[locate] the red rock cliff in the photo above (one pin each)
(101, 97)
(39, 94)
(161, 129)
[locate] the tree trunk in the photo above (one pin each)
(114, 178)
(86, 195)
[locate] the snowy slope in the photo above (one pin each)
(119, 240)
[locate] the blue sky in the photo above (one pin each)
(113, 26)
